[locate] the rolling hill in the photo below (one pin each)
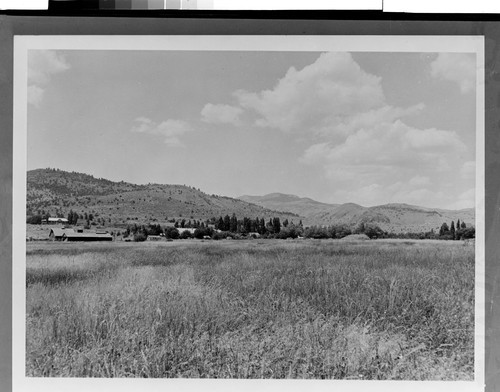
(302, 206)
(395, 217)
(56, 192)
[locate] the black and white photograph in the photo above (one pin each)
(274, 208)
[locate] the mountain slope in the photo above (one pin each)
(302, 206)
(395, 217)
(118, 203)
(58, 192)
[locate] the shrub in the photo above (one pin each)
(288, 232)
(140, 237)
(171, 232)
(221, 235)
(201, 232)
(374, 232)
(34, 220)
(185, 235)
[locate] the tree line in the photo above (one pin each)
(460, 231)
(231, 226)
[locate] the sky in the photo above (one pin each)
(362, 127)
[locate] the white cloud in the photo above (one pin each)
(170, 130)
(331, 97)
(315, 98)
(456, 67)
(42, 65)
(221, 114)
(419, 180)
(35, 95)
(403, 161)
(385, 114)
(361, 143)
(386, 146)
(468, 170)
(465, 200)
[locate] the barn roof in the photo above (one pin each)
(58, 232)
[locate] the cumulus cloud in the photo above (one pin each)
(169, 130)
(358, 140)
(385, 114)
(35, 95)
(42, 65)
(221, 114)
(465, 200)
(419, 181)
(371, 152)
(468, 170)
(456, 67)
(316, 97)
(401, 160)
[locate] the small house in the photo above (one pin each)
(155, 238)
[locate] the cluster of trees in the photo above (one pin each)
(258, 225)
(72, 217)
(188, 224)
(231, 226)
(458, 232)
(341, 231)
(141, 232)
(36, 219)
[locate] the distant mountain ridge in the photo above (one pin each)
(396, 217)
(57, 192)
(302, 206)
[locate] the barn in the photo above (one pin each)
(85, 237)
(57, 233)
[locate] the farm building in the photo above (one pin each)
(81, 237)
(56, 234)
(57, 220)
(189, 229)
(155, 238)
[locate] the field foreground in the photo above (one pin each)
(255, 309)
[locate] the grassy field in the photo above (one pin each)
(254, 309)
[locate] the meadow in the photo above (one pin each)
(314, 309)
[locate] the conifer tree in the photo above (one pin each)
(262, 226)
(219, 225)
(227, 223)
(444, 229)
(276, 225)
(233, 224)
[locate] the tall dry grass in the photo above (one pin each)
(257, 309)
